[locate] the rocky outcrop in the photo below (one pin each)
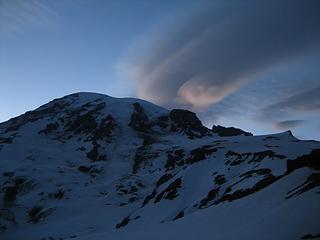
(229, 131)
(139, 120)
(188, 123)
(311, 160)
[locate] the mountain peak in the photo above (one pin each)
(148, 172)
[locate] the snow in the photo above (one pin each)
(92, 206)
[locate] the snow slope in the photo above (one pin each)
(89, 166)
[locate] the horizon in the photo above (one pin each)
(245, 65)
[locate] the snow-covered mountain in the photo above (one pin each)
(91, 167)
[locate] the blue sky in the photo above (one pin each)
(250, 65)
(73, 46)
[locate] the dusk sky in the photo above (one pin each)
(247, 64)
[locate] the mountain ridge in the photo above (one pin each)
(109, 167)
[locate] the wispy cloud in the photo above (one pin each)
(209, 56)
(306, 101)
(17, 16)
(288, 124)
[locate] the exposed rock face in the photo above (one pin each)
(89, 166)
(229, 131)
(308, 160)
(188, 123)
(171, 192)
(105, 128)
(175, 158)
(162, 122)
(139, 120)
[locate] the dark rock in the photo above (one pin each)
(123, 223)
(312, 182)
(34, 214)
(57, 195)
(175, 158)
(171, 192)
(91, 170)
(201, 153)
(8, 174)
(84, 123)
(259, 156)
(148, 139)
(105, 128)
(237, 158)
(139, 158)
(130, 189)
(133, 189)
(164, 178)
(271, 138)
(94, 155)
(311, 236)
(311, 160)
(261, 171)
(142, 155)
(162, 122)
(16, 186)
(49, 128)
(179, 215)
(229, 131)
(212, 194)
(84, 169)
(268, 180)
(5, 140)
(149, 197)
(220, 179)
(10, 193)
(37, 213)
(102, 157)
(187, 122)
(139, 120)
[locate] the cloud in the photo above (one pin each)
(306, 102)
(204, 94)
(286, 125)
(18, 15)
(212, 54)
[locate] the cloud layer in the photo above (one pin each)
(306, 101)
(210, 55)
(286, 125)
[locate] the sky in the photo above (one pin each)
(249, 64)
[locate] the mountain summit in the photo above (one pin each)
(89, 167)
